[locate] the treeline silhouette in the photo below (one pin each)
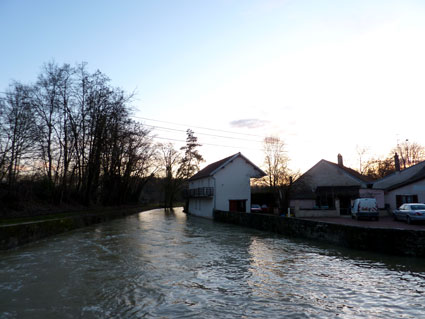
(69, 138)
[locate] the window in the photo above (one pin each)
(401, 199)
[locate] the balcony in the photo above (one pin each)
(200, 192)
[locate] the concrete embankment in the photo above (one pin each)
(13, 235)
(385, 240)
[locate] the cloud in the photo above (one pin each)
(249, 123)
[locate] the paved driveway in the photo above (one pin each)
(384, 222)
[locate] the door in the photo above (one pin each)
(345, 205)
(238, 205)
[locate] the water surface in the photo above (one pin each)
(161, 264)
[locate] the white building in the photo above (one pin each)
(223, 185)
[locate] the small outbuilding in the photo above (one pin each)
(223, 185)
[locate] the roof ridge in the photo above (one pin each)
(207, 170)
(400, 171)
(212, 168)
(352, 172)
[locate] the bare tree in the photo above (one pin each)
(279, 178)
(170, 158)
(128, 164)
(378, 168)
(46, 105)
(410, 153)
(361, 151)
(78, 131)
(17, 131)
(276, 161)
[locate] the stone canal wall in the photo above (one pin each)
(14, 235)
(391, 241)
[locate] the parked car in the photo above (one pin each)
(365, 208)
(264, 208)
(410, 212)
(255, 208)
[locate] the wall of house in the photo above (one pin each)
(303, 203)
(417, 188)
(233, 183)
(305, 208)
(202, 207)
(203, 182)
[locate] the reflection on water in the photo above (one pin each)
(164, 264)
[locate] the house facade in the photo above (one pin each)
(328, 185)
(332, 186)
(223, 185)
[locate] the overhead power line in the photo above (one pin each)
(209, 144)
(206, 134)
(200, 127)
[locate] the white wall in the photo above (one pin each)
(233, 183)
(203, 182)
(202, 207)
(417, 188)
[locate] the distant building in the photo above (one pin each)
(223, 185)
(403, 186)
(331, 186)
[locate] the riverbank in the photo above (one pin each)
(16, 232)
(394, 241)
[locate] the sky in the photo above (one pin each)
(326, 77)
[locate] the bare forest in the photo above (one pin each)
(70, 138)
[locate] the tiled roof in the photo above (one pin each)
(206, 171)
(354, 173)
(420, 175)
(210, 169)
(401, 178)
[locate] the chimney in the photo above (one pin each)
(396, 163)
(340, 163)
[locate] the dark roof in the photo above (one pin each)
(206, 171)
(401, 178)
(417, 177)
(210, 169)
(354, 173)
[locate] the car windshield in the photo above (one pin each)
(255, 206)
(417, 207)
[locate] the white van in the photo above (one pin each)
(365, 208)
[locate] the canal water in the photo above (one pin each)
(161, 264)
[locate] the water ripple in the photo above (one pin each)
(167, 265)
